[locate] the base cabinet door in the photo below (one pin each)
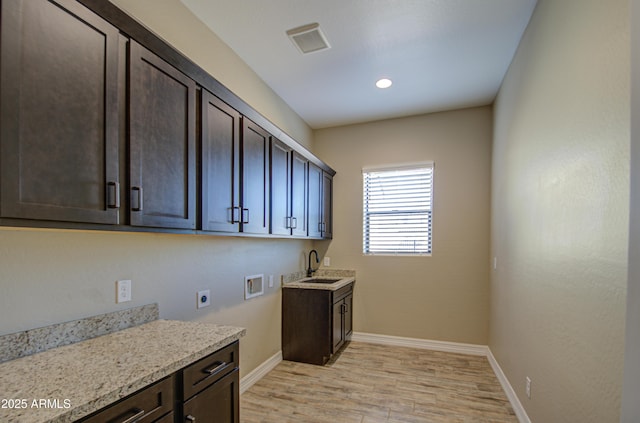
(219, 403)
(58, 113)
(162, 143)
(348, 317)
(338, 326)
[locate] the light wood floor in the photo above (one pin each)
(371, 383)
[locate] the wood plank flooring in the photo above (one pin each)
(371, 383)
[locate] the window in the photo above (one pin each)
(397, 210)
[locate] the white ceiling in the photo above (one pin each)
(440, 54)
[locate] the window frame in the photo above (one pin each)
(366, 249)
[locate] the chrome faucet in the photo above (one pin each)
(310, 270)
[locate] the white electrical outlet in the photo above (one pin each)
(203, 298)
(327, 261)
(270, 281)
(528, 387)
(123, 291)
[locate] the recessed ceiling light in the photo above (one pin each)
(384, 83)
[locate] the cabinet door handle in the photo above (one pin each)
(243, 219)
(295, 223)
(138, 414)
(288, 222)
(219, 365)
(190, 418)
(113, 193)
(235, 214)
(137, 205)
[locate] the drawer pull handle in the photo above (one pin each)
(190, 418)
(138, 414)
(219, 365)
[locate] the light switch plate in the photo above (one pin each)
(327, 261)
(123, 291)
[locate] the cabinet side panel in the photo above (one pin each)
(306, 325)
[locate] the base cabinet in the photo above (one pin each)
(316, 323)
(205, 391)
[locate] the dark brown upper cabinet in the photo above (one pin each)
(220, 165)
(234, 169)
(288, 191)
(162, 142)
(281, 220)
(59, 113)
(299, 192)
(255, 191)
(320, 203)
(327, 205)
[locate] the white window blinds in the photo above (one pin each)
(397, 210)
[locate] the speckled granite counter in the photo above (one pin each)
(346, 277)
(81, 378)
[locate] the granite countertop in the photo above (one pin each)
(305, 284)
(84, 377)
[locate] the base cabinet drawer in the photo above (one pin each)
(150, 405)
(209, 370)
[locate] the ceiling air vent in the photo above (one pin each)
(308, 38)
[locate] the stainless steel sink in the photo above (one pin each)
(321, 280)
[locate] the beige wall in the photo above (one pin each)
(50, 276)
(631, 388)
(442, 297)
(560, 211)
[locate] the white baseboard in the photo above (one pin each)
(508, 389)
(259, 372)
(454, 347)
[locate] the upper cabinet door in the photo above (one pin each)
(299, 187)
(255, 178)
(281, 219)
(220, 165)
(162, 142)
(315, 201)
(59, 113)
(327, 206)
